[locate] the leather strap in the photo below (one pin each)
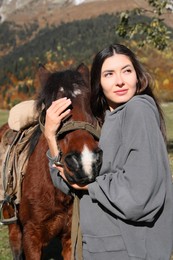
(75, 125)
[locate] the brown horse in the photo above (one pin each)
(44, 211)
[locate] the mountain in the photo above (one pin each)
(42, 13)
(13, 7)
(59, 33)
(23, 15)
(56, 11)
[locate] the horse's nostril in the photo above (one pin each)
(98, 161)
(99, 155)
(72, 162)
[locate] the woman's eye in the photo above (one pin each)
(109, 74)
(128, 71)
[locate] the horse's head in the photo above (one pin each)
(77, 139)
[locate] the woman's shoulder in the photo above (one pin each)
(141, 106)
(141, 103)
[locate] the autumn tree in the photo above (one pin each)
(152, 31)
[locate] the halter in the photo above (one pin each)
(75, 125)
(72, 126)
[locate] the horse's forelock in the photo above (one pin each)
(69, 83)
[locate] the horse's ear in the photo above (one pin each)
(84, 70)
(43, 74)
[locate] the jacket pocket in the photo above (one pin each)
(103, 243)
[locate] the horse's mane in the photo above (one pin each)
(34, 140)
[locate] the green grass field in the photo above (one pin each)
(3, 116)
(5, 253)
(168, 113)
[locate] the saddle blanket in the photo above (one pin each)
(14, 148)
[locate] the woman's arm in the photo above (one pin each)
(54, 116)
(57, 180)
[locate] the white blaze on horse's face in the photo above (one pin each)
(87, 161)
(76, 92)
(61, 89)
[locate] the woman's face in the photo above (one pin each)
(118, 80)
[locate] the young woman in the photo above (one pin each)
(127, 212)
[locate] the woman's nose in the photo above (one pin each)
(119, 81)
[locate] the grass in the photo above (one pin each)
(3, 116)
(168, 113)
(5, 253)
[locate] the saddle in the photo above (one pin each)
(14, 148)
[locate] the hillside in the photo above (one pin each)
(43, 13)
(53, 34)
(57, 11)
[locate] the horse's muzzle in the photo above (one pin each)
(83, 168)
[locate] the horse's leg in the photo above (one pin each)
(32, 244)
(15, 240)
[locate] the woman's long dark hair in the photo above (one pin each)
(144, 86)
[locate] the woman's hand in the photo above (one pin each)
(75, 186)
(54, 115)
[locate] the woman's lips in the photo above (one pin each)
(121, 92)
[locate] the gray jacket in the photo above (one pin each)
(127, 212)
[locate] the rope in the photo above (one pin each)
(76, 236)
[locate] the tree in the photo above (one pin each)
(150, 31)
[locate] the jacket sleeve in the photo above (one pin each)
(136, 191)
(57, 180)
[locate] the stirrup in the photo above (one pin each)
(10, 202)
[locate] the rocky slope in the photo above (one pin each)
(57, 11)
